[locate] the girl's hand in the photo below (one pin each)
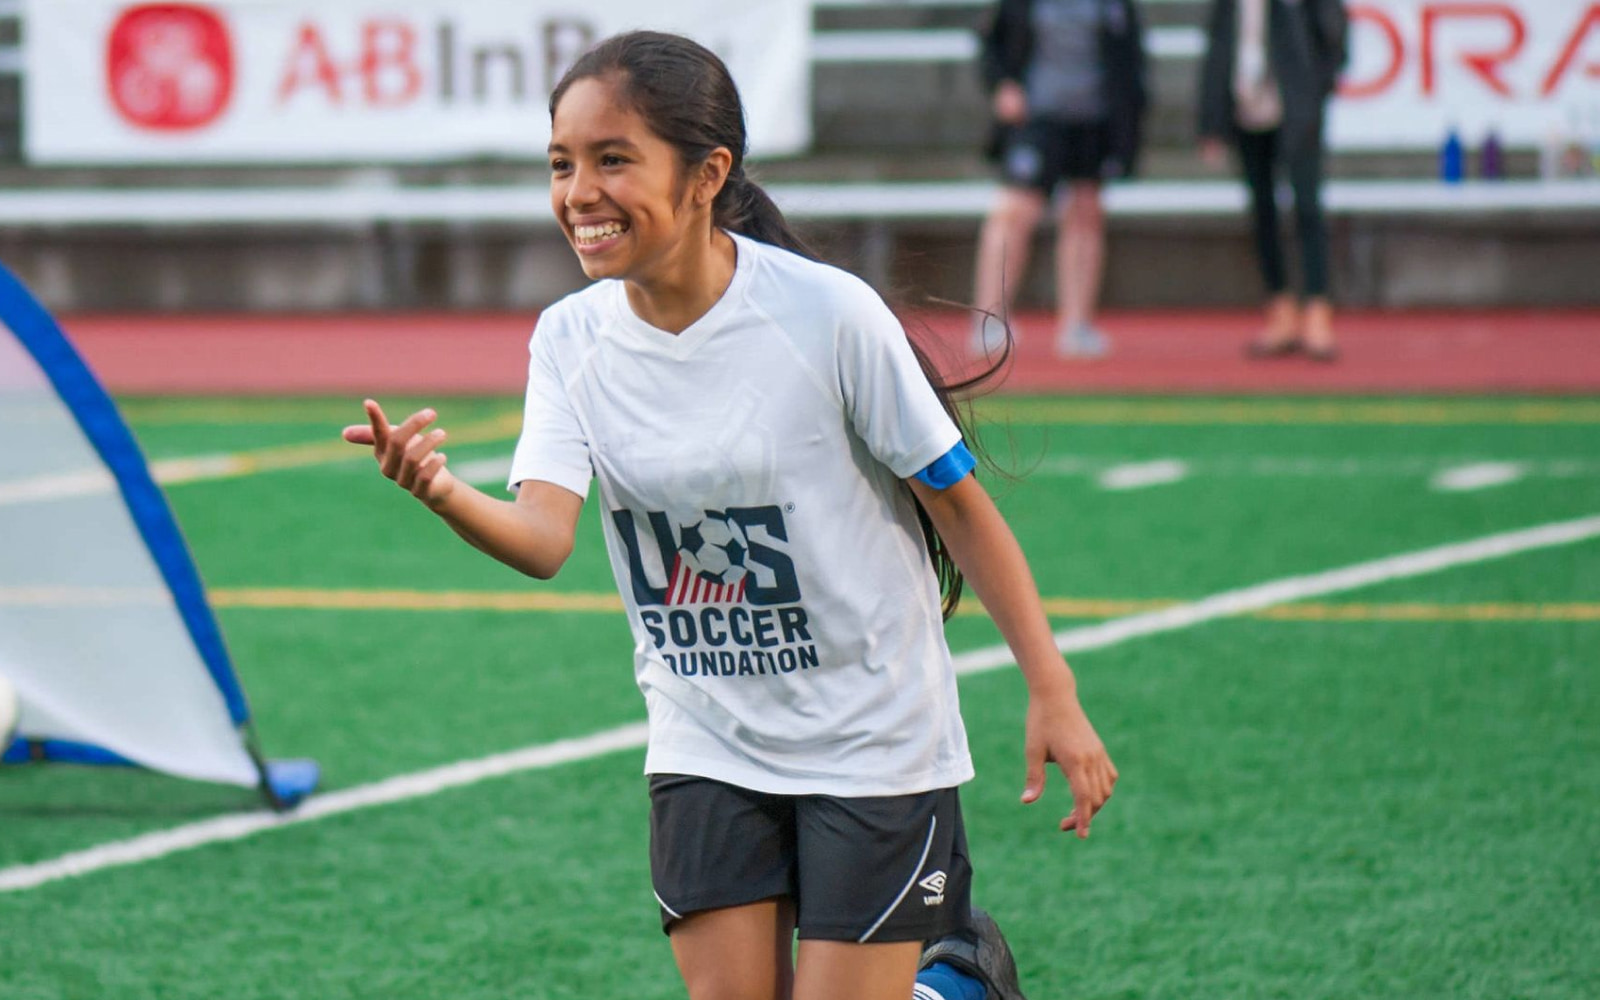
(405, 454)
(1059, 731)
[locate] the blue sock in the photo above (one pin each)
(940, 981)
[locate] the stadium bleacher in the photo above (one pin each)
(892, 186)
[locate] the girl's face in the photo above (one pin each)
(616, 187)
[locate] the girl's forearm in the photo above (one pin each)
(528, 538)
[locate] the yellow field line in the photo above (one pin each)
(1058, 607)
(1076, 607)
(296, 456)
(480, 600)
(315, 599)
(412, 600)
(1354, 412)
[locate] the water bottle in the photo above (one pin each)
(1594, 142)
(1575, 155)
(1491, 158)
(1451, 167)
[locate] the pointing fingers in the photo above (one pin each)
(380, 425)
(399, 442)
(406, 453)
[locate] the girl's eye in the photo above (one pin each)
(559, 166)
(612, 160)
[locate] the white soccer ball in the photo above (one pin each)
(714, 548)
(10, 710)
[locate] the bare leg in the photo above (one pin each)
(1318, 333)
(1080, 254)
(1003, 246)
(740, 953)
(830, 970)
(1282, 321)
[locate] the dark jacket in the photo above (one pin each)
(1306, 49)
(1008, 46)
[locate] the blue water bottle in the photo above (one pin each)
(1451, 156)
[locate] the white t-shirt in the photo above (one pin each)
(787, 632)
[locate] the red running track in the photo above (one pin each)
(1169, 351)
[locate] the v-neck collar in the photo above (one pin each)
(685, 342)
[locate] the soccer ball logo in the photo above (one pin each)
(714, 548)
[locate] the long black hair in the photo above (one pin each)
(686, 95)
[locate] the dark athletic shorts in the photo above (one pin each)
(858, 869)
(1044, 152)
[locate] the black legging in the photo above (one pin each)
(1258, 153)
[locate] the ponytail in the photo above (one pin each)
(955, 396)
(743, 207)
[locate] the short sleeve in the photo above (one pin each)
(887, 397)
(553, 447)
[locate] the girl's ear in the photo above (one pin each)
(712, 174)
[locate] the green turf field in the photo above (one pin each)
(1388, 792)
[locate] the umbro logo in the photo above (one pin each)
(935, 885)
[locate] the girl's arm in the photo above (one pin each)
(533, 535)
(1057, 728)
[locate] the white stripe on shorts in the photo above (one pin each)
(670, 911)
(933, 824)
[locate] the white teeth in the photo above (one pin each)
(588, 234)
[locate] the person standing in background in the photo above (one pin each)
(1068, 91)
(1269, 69)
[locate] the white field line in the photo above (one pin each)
(1299, 588)
(483, 471)
(1319, 467)
(152, 846)
(1139, 475)
(1113, 474)
(96, 482)
(57, 486)
(1477, 476)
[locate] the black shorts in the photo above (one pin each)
(1044, 152)
(858, 869)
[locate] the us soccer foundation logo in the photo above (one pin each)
(717, 591)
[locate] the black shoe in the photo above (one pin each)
(1261, 351)
(980, 952)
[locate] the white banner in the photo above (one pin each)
(247, 81)
(1529, 69)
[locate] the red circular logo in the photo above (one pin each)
(169, 66)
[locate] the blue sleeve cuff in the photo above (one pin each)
(949, 468)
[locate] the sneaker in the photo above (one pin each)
(981, 952)
(1082, 341)
(988, 336)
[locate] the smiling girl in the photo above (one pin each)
(784, 492)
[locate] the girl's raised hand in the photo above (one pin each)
(405, 454)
